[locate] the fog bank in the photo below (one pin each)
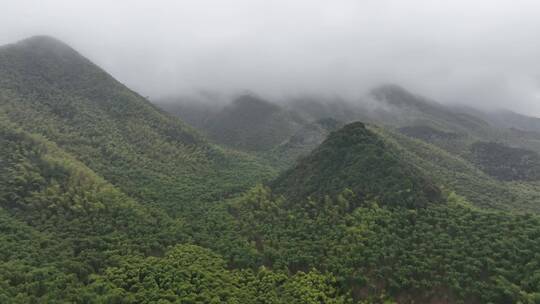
(482, 53)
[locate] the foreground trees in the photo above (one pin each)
(191, 274)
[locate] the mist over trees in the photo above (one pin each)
(269, 152)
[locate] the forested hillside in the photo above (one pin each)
(104, 198)
(49, 89)
(63, 222)
(456, 173)
(442, 253)
(355, 158)
(506, 163)
(395, 242)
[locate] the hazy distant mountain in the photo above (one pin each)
(287, 131)
(457, 131)
(253, 124)
(193, 111)
(509, 119)
(403, 108)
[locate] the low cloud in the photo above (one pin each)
(483, 53)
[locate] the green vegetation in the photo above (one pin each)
(106, 199)
(253, 124)
(62, 222)
(455, 173)
(49, 89)
(356, 158)
(442, 253)
(191, 274)
(506, 163)
(428, 134)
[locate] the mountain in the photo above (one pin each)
(195, 111)
(96, 183)
(401, 107)
(506, 163)
(428, 134)
(519, 130)
(374, 246)
(361, 207)
(509, 119)
(438, 139)
(463, 176)
(442, 141)
(104, 198)
(252, 124)
(355, 158)
(48, 88)
(302, 142)
(313, 108)
(498, 149)
(49, 189)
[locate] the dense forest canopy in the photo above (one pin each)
(106, 198)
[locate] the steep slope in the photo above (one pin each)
(445, 149)
(357, 159)
(68, 236)
(47, 188)
(48, 88)
(506, 163)
(456, 173)
(453, 171)
(509, 119)
(457, 129)
(402, 108)
(62, 222)
(254, 125)
(314, 108)
(518, 129)
(378, 247)
(195, 111)
(302, 142)
(428, 134)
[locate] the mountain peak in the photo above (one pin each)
(44, 44)
(41, 39)
(397, 96)
(356, 158)
(39, 63)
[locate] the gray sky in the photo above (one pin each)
(483, 52)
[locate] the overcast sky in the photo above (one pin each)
(466, 51)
